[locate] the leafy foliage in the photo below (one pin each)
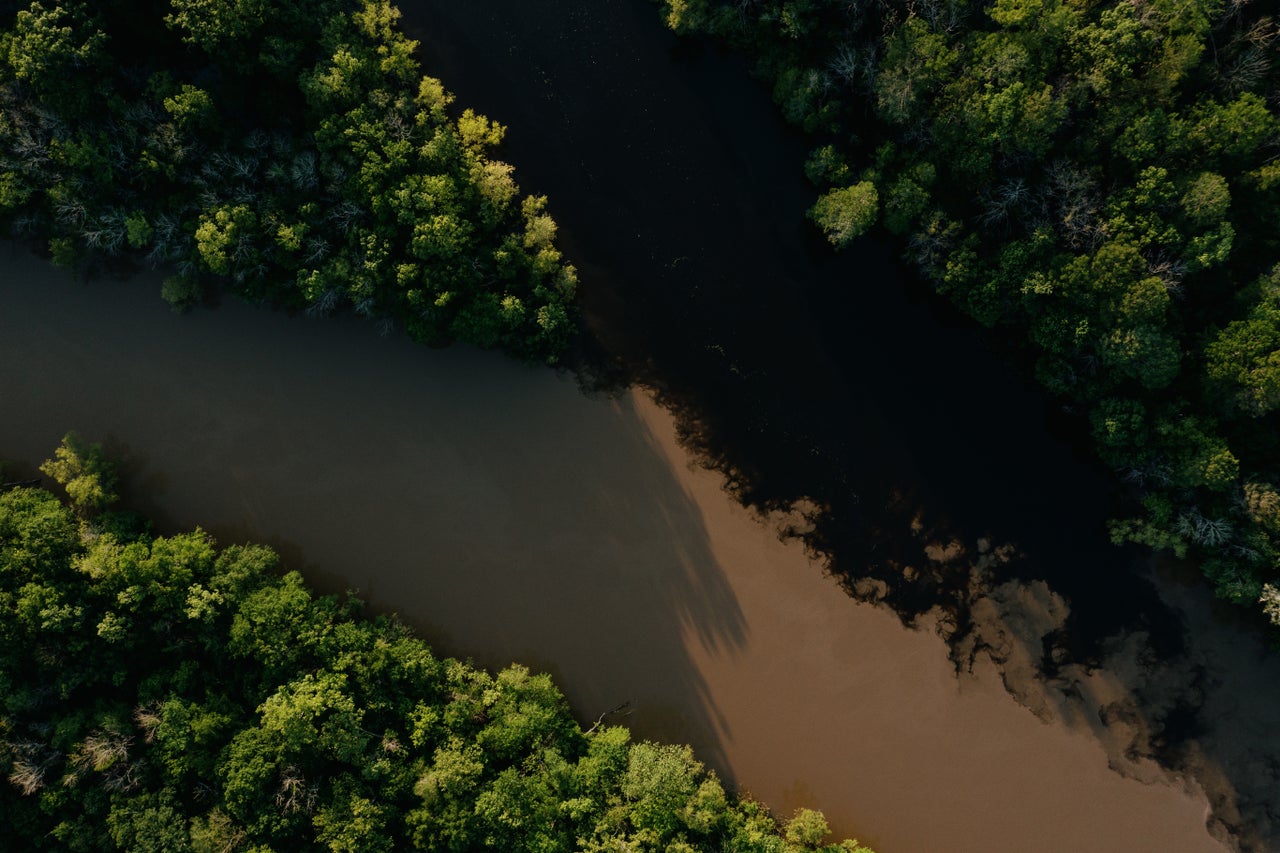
(83, 470)
(157, 693)
(291, 151)
(1096, 180)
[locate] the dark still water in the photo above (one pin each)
(800, 375)
(941, 484)
(512, 518)
(509, 517)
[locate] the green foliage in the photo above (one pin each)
(58, 52)
(222, 233)
(826, 166)
(685, 15)
(182, 292)
(291, 152)
(249, 35)
(917, 61)
(1067, 173)
(1242, 361)
(847, 213)
(192, 108)
(83, 470)
(1207, 199)
(157, 693)
(908, 198)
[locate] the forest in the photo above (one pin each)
(163, 694)
(1096, 182)
(292, 153)
(1091, 180)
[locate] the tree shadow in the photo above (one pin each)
(494, 507)
(797, 376)
(939, 485)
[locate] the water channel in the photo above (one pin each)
(510, 517)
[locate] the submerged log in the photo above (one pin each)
(624, 709)
(4, 487)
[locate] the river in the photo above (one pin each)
(944, 484)
(510, 517)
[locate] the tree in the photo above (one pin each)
(223, 234)
(236, 710)
(248, 34)
(365, 193)
(1207, 199)
(1067, 172)
(149, 823)
(1242, 361)
(192, 108)
(908, 198)
(84, 471)
(351, 823)
(659, 782)
(1234, 129)
(58, 52)
(844, 214)
(916, 62)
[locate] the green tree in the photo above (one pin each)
(223, 235)
(1207, 199)
(845, 214)
(84, 471)
(58, 52)
(229, 707)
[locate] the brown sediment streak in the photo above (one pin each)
(509, 517)
(835, 705)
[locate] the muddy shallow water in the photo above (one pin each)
(509, 517)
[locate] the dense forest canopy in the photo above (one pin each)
(291, 150)
(163, 694)
(1099, 180)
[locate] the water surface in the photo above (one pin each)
(509, 517)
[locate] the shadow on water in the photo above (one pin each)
(944, 487)
(510, 517)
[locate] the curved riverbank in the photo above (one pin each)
(568, 533)
(840, 380)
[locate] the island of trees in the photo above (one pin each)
(1099, 181)
(291, 151)
(158, 693)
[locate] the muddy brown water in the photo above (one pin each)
(946, 481)
(509, 517)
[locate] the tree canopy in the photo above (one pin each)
(159, 693)
(1095, 181)
(292, 152)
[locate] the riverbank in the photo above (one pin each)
(571, 534)
(840, 380)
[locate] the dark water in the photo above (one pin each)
(840, 381)
(511, 518)
(508, 517)
(800, 374)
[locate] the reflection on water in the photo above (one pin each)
(509, 517)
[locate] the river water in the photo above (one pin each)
(510, 517)
(945, 488)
